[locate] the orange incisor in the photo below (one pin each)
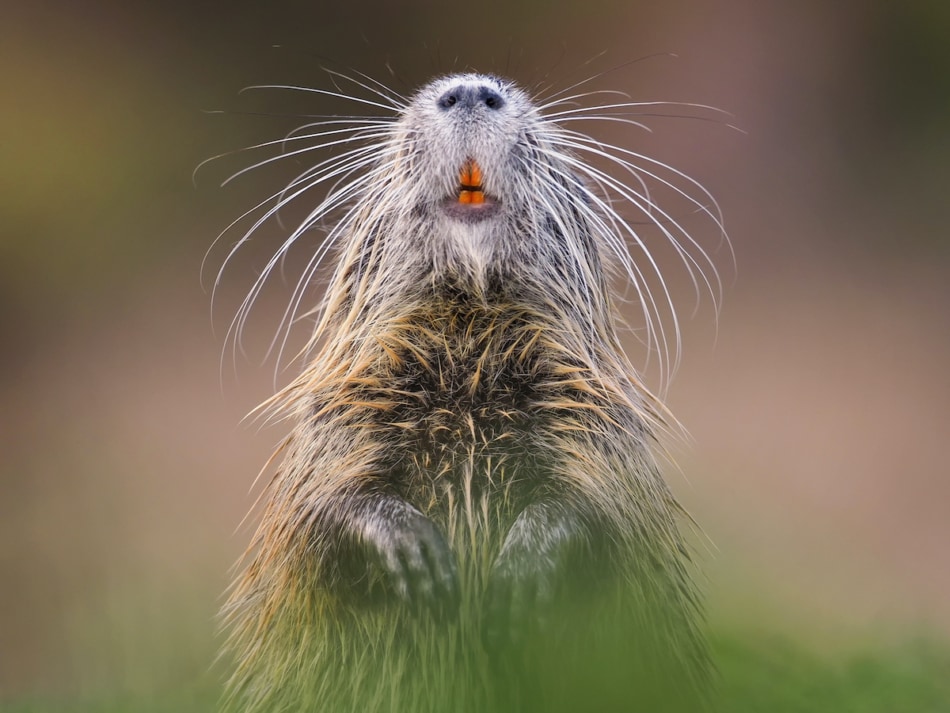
(470, 179)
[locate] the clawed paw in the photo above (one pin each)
(416, 562)
(521, 593)
(540, 556)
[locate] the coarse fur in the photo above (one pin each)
(469, 514)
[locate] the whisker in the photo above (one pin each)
(326, 206)
(716, 216)
(574, 99)
(583, 138)
(323, 92)
(293, 137)
(340, 197)
(398, 102)
(647, 207)
(634, 273)
(607, 117)
(600, 108)
(307, 149)
(604, 73)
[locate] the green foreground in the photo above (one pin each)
(758, 673)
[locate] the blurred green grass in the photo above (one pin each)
(759, 672)
(98, 203)
(774, 674)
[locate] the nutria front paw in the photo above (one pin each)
(413, 557)
(530, 573)
(520, 594)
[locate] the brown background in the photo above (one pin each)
(819, 409)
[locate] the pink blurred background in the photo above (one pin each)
(819, 407)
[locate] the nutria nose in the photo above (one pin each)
(468, 97)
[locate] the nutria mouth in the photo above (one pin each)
(470, 204)
(470, 183)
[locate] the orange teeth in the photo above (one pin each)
(470, 183)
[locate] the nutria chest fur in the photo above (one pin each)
(468, 514)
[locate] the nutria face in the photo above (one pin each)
(466, 135)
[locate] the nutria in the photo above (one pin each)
(469, 514)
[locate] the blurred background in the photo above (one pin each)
(818, 401)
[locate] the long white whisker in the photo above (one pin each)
(648, 207)
(609, 182)
(323, 208)
(292, 136)
(279, 196)
(363, 150)
(717, 217)
(351, 124)
(354, 158)
(307, 149)
(598, 75)
(600, 108)
(571, 139)
(617, 118)
(323, 92)
(633, 271)
(573, 99)
(398, 102)
(339, 197)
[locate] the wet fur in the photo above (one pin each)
(471, 475)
